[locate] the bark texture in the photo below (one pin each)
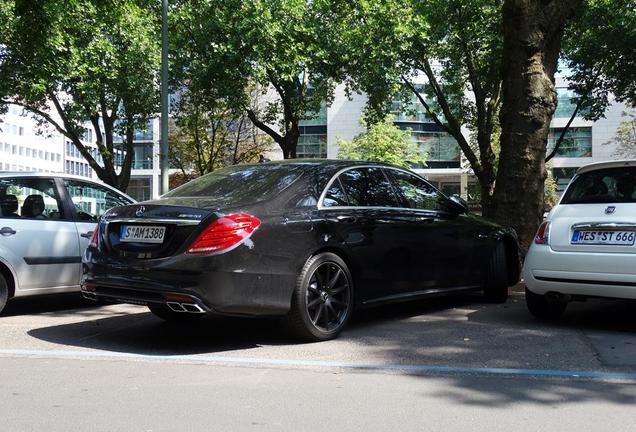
(533, 30)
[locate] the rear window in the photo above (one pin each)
(240, 184)
(602, 186)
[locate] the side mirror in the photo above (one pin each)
(459, 204)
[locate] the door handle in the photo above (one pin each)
(87, 234)
(7, 231)
(425, 220)
(346, 219)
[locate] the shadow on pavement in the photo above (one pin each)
(47, 303)
(457, 331)
(143, 333)
(501, 392)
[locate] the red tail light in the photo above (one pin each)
(94, 243)
(543, 233)
(225, 233)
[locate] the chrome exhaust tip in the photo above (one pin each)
(185, 307)
(176, 307)
(192, 308)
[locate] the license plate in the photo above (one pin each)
(622, 238)
(142, 233)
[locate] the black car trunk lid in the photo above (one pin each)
(151, 229)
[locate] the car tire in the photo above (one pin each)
(322, 301)
(4, 292)
(496, 288)
(166, 314)
(543, 308)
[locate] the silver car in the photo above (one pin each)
(46, 222)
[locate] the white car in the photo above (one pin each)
(46, 222)
(586, 246)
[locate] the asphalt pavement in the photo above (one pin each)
(443, 364)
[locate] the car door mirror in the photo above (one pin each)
(459, 204)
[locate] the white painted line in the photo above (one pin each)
(222, 360)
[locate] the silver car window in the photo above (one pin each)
(30, 198)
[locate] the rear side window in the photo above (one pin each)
(602, 186)
(335, 196)
(417, 193)
(367, 187)
(30, 198)
(240, 184)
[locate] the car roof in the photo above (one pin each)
(320, 165)
(35, 174)
(608, 164)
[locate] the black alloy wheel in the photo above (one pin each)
(323, 299)
(496, 288)
(4, 292)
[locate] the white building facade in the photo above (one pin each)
(27, 146)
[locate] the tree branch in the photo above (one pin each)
(262, 126)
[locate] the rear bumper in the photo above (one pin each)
(214, 284)
(610, 275)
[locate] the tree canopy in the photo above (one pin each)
(600, 54)
(453, 47)
(382, 142)
(231, 49)
(73, 62)
(204, 138)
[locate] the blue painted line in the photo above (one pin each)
(222, 360)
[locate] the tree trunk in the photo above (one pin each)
(487, 207)
(533, 30)
(291, 141)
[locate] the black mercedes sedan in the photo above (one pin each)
(306, 240)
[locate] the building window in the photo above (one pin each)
(143, 156)
(312, 142)
(312, 146)
(566, 103)
(438, 146)
(87, 135)
(576, 143)
(412, 110)
(140, 188)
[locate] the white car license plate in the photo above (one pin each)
(142, 233)
(622, 238)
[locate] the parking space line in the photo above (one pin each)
(324, 364)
